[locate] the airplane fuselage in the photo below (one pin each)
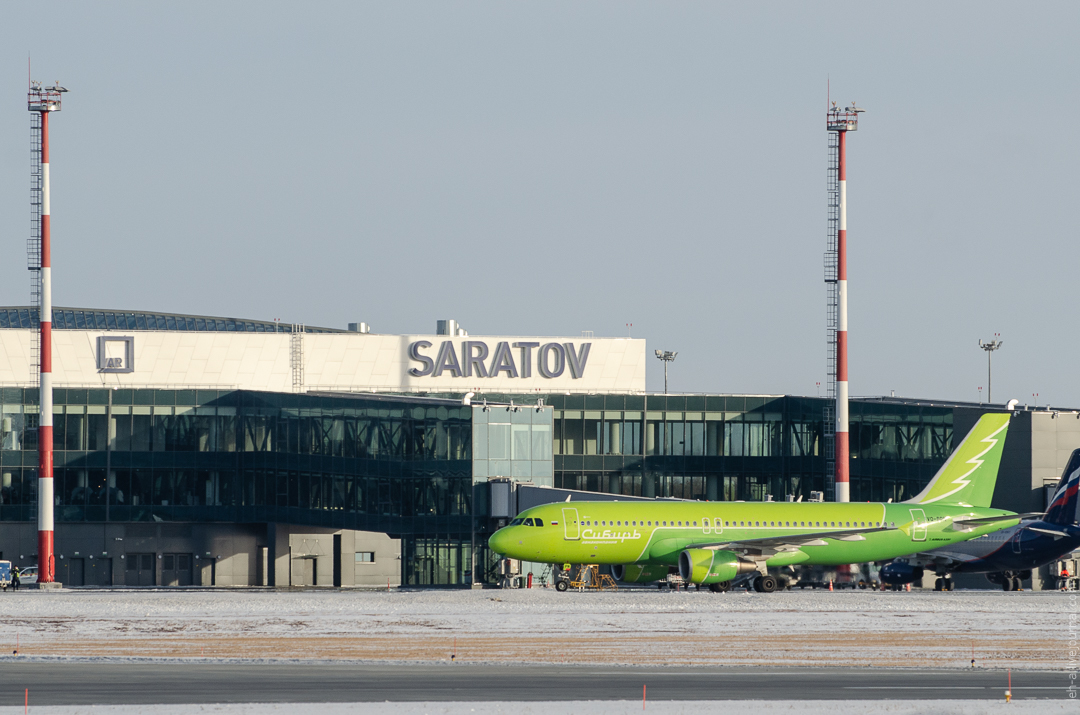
(1017, 548)
(657, 532)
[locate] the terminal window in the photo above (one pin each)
(365, 557)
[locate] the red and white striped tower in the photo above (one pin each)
(841, 122)
(44, 102)
(843, 443)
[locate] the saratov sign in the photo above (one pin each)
(474, 358)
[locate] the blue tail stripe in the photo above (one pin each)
(1062, 509)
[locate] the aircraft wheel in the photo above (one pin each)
(948, 584)
(723, 586)
(937, 584)
(561, 585)
(1018, 585)
(768, 584)
(757, 584)
(1007, 584)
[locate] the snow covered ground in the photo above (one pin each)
(645, 627)
(751, 707)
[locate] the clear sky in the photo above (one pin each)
(547, 168)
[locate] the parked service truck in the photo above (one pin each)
(5, 574)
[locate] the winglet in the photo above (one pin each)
(970, 473)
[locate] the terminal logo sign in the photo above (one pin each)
(116, 353)
(476, 359)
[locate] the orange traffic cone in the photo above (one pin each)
(830, 584)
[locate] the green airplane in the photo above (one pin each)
(714, 542)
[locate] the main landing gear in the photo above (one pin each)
(943, 584)
(765, 584)
(720, 587)
(1009, 580)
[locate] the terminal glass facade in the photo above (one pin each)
(399, 466)
(740, 447)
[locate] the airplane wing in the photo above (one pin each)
(963, 523)
(1052, 532)
(770, 545)
(943, 558)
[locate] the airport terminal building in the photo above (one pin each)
(193, 450)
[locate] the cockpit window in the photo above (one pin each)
(516, 522)
(528, 522)
(538, 522)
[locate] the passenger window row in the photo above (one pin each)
(719, 523)
(851, 524)
(640, 523)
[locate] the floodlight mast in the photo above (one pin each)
(990, 347)
(667, 356)
(43, 101)
(838, 122)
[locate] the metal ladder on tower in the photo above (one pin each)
(33, 245)
(296, 356)
(832, 312)
(33, 263)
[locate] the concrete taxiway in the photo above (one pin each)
(59, 682)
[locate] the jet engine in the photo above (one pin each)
(638, 573)
(898, 573)
(712, 566)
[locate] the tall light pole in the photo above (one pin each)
(838, 122)
(667, 356)
(42, 102)
(990, 347)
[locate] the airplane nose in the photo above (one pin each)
(499, 541)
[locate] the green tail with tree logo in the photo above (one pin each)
(968, 477)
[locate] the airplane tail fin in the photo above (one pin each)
(969, 474)
(1063, 507)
